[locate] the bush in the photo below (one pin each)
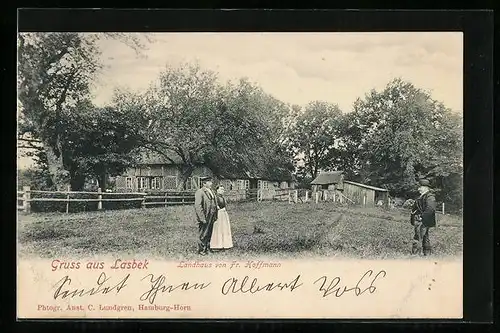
(114, 205)
(81, 206)
(177, 197)
(60, 206)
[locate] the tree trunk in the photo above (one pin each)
(185, 172)
(77, 182)
(60, 177)
(102, 180)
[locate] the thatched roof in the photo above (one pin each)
(327, 178)
(252, 171)
(220, 168)
(148, 157)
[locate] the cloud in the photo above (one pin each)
(300, 67)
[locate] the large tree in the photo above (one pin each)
(252, 132)
(187, 115)
(314, 137)
(101, 145)
(401, 134)
(55, 73)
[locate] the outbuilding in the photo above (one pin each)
(328, 180)
(366, 195)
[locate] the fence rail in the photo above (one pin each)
(170, 198)
(174, 197)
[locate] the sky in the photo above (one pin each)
(296, 68)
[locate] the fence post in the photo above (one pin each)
(67, 199)
(143, 203)
(289, 196)
(317, 196)
(443, 209)
(325, 193)
(26, 199)
(307, 195)
(166, 196)
(334, 196)
(99, 197)
(296, 199)
(364, 200)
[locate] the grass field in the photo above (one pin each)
(265, 229)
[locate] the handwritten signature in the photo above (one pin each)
(101, 287)
(233, 285)
(157, 285)
(333, 286)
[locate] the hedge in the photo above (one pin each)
(81, 206)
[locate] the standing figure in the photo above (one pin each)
(205, 204)
(221, 236)
(423, 217)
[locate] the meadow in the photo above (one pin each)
(260, 229)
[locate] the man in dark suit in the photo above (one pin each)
(423, 217)
(205, 204)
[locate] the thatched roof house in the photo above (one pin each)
(156, 171)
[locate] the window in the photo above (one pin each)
(189, 184)
(156, 183)
(227, 184)
(128, 182)
(247, 184)
(241, 184)
(142, 183)
(265, 184)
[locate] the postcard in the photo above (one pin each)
(240, 175)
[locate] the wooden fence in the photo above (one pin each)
(25, 198)
(172, 198)
(169, 198)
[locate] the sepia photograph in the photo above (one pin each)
(223, 151)
(181, 145)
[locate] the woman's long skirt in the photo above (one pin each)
(221, 233)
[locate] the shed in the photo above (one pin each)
(366, 195)
(328, 180)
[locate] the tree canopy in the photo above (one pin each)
(55, 73)
(188, 114)
(314, 137)
(401, 134)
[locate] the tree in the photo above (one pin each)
(314, 137)
(55, 71)
(252, 132)
(188, 115)
(401, 134)
(101, 145)
(176, 116)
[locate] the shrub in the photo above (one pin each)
(81, 206)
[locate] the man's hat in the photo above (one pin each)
(205, 179)
(424, 182)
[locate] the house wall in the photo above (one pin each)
(241, 189)
(163, 177)
(241, 184)
(167, 177)
(357, 193)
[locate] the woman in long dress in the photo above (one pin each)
(221, 234)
